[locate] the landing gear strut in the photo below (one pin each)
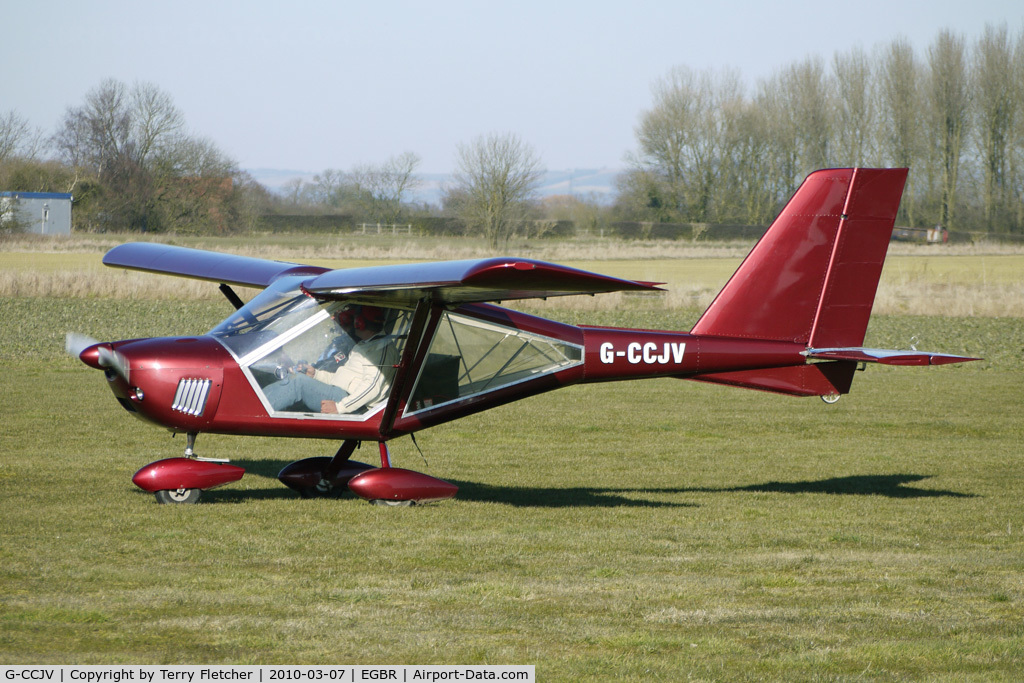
(319, 477)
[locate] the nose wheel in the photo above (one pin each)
(178, 496)
(182, 496)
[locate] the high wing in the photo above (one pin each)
(445, 282)
(204, 265)
(468, 281)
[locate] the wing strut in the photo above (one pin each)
(231, 296)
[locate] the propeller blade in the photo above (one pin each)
(105, 357)
(75, 343)
(115, 361)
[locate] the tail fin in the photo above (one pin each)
(813, 275)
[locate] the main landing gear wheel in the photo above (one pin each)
(178, 497)
(318, 491)
(391, 503)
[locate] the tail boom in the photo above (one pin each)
(819, 379)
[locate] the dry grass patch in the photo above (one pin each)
(950, 280)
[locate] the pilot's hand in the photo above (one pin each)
(328, 407)
(306, 368)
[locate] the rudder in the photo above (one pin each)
(812, 277)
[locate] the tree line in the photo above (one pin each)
(709, 150)
(131, 165)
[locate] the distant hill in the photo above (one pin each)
(595, 183)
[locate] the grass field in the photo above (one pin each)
(658, 530)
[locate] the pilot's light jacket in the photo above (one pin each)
(366, 375)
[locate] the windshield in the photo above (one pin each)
(277, 309)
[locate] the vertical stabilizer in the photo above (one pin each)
(812, 277)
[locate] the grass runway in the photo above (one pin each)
(654, 530)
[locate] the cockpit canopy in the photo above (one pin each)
(283, 331)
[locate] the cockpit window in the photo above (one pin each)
(469, 356)
(308, 358)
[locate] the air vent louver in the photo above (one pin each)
(191, 396)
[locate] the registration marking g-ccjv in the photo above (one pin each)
(647, 353)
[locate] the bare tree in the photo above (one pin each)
(782, 137)
(854, 109)
(747, 179)
(191, 182)
(382, 188)
(496, 178)
(640, 195)
(997, 93)
(807, 93)
(155, 123)
(949, 101)
(899, 106)
(18, 144)
(399, 179)
(194, 157)
(97, 134)
(292, 192)
(687, 141)
(1016, 156)
(684, 138)
(154, 176)
(328, 188)
(707, 152)
(17, 138)
(666, 131)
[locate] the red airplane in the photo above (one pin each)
(370, 354)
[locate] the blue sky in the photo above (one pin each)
(309, 85)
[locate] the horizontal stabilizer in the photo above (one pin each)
(886, 356)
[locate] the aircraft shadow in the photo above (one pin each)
(885, 485)
(888, 485)
(517, 496)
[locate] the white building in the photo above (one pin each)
(43, 213)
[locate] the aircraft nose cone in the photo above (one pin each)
(88, 350)
(91, 356)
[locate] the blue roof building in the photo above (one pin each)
(43, 213)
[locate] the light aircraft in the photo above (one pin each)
(371, 354)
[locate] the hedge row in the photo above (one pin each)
(453, 227)
(537, 229)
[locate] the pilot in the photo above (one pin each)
(363, 379)
(337, 352)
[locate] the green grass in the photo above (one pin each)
(652, 530)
